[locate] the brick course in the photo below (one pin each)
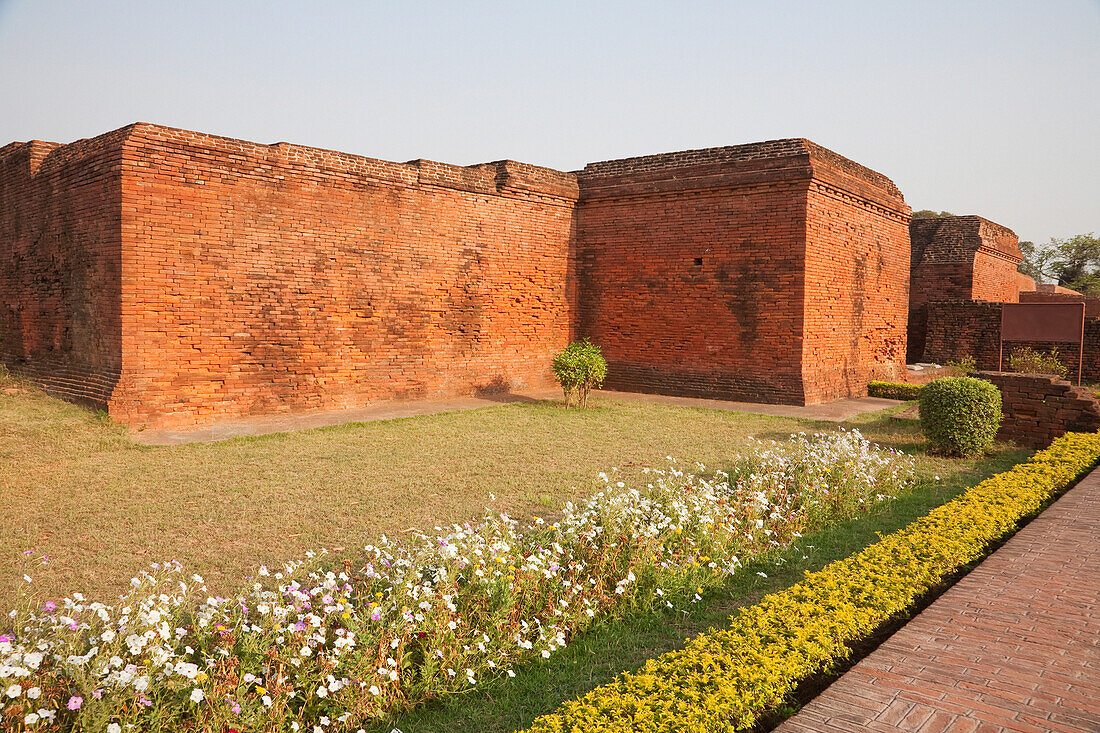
(177, 278)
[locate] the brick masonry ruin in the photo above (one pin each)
(959, 258)
(176, 278)
(1041, 407)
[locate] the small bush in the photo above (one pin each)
(963, 366)
(1027, 360)
(894, 390)
(579, 368)
(960, 415)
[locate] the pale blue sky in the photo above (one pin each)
(990, 108)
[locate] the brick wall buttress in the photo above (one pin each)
(60, 265)
(857, 281)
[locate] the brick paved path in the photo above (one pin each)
(1014, 646)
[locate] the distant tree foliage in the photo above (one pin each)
(929, 214)
(1073, 262)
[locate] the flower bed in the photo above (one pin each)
(726, 679)
(320, 643)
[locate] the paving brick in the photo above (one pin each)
(1050, 682)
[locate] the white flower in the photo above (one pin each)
(197, 696)
(374, 690)
(14, 691)
(30, 719)
(322, 691)
(34, 693)
(266, 700)
(114, 728)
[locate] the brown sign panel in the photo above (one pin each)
(1057, 322)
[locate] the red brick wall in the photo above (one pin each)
(972, 328)
(180, 278)
(995, 278)
(1039, 408)
(695, 291)
(266, 278)
(769, 272)
(857, 285)
(60, 241)
(958, 258)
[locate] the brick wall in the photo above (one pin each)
(267, 278)
(178, 278)
(60, 264)
(768, 272)
(856, 283)
(958, 258)
(1039, 408)
(972, 328)
(692, 283)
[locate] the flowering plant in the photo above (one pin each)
(324, 644)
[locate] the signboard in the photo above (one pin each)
(1050, 322)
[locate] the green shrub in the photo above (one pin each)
(1027, 360)
(726, 679)
(960, 415)
(579, 368)
(894, 390)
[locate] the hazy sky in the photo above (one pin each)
(990, 108)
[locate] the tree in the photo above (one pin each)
(929, 214)
(1073, 262)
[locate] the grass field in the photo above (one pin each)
(74, 486)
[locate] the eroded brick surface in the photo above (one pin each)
(1014, 646)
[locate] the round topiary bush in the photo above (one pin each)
(960, 415)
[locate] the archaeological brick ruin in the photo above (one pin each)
(176, 278)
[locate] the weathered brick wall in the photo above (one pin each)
(692, 274)
(60, 245)
(266, 278)
(179, 278)
(972, 328)
(958, 258)
(857, 282)
(767, 272)
(1040, 407)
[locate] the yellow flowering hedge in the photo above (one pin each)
(894, 390)
(724, 680)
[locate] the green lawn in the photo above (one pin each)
(101, 506)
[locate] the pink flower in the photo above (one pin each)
(375, 615)
(75, 702)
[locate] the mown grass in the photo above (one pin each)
(624, 644)
(102, 506)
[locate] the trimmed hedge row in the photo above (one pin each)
(894, 390)
(724, 680)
